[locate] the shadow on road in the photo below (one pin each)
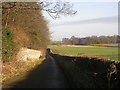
(45, 75)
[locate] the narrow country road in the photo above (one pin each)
(46, 75)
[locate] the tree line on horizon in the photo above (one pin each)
(91, 40)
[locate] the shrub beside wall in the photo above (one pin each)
(8, 45)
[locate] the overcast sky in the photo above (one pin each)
(92, 18)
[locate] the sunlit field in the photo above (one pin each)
(107, 52)
(112, 45)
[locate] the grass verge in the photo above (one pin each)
(16, 68)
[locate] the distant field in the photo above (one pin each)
(108, 52)
(113, 45)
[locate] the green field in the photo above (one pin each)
(113, 45)
(107, 52)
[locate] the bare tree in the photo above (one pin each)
(54, 9)
(58, 8)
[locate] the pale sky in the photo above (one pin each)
(92, 18)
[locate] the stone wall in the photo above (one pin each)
(25, 54)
